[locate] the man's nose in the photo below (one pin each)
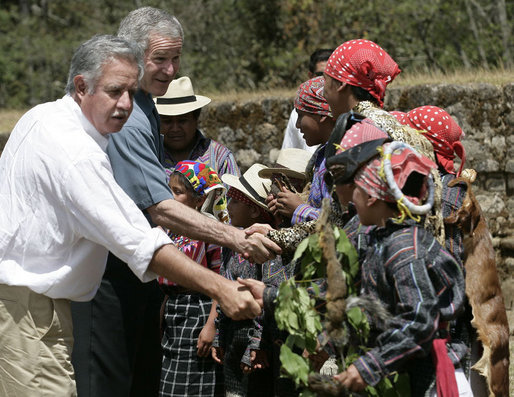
(125, 101)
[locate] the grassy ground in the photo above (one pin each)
(497, 76)
(8, 118)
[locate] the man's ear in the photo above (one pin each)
(371, 200)
(80, 86)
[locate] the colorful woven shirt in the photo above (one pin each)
(272, 273)
(207, 255)
(319, 190)
(421, 285)
(210, 152)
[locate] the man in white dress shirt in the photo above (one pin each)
(62, 211)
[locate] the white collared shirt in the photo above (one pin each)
(61, 209)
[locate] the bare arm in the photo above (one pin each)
(207, 333)
(188, 222)
(235, 300)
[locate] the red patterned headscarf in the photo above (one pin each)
(444, 133)
(310, 99)
(364, 64)
(404, 162)
(360, 132)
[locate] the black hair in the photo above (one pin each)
(181, 178)
(413, 185)
(362, 95)
(320, 55)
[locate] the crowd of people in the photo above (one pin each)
(137, 260)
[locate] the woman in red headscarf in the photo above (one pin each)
(444, 134)
(358, 70)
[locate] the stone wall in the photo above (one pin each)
(254, 132)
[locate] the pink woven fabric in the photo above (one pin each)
(360, 132)
(403, 162)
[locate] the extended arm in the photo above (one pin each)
(186, 221)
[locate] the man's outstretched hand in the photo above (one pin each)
(256, 287)
(237, 301)
(254, 244)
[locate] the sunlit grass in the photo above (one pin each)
(8, 119)
(497, 76)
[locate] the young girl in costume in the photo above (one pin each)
(188, 325)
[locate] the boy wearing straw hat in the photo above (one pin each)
(179, 111)
(239, 344)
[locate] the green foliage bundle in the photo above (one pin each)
(296, 312)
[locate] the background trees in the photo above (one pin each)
(247, 44)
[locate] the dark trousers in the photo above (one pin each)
(117, 349)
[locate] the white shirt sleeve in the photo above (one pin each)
(104, 214)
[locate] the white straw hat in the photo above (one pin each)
(291, 162)
(180, 99)
(254, 187)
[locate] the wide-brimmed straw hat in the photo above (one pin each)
(250, 184)
(180, 99)
(291, 162)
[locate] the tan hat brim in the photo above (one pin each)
(267, 172)
(233, 181)
(176, 106)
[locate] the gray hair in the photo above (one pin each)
(139, 25)
(89, 59)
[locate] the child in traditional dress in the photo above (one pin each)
(240, 345)
(187, 366)
(315, 122)
(408, 271)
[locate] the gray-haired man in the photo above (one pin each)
(117, 334)
(62, 211)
